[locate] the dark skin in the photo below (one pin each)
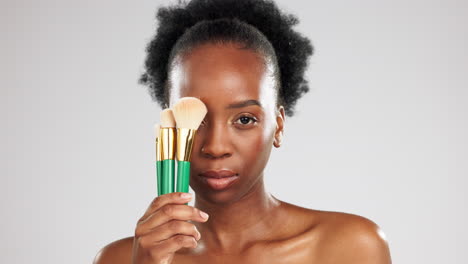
(246, 224)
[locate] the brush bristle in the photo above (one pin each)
(167, 118)
(157, 127)
(189, 112)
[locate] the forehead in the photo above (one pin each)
(221, 72)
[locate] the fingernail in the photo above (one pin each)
(203, 215)
(186, 195)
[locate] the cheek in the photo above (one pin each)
(254, 150)
(252, 144)
(250, 150)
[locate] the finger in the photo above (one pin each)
(171, 245)
(158, 202)
(168, 213)
(174, 227)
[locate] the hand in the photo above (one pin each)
(164, 229)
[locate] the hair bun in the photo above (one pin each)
(291, 48)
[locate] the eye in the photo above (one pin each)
(246, 121)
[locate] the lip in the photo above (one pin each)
(219, 179)
(218, 174)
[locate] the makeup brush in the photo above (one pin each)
(188, 113)
(157, 129)
(167, 137)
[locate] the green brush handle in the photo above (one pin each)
(159, 176)
(183, 176)
(168, 176)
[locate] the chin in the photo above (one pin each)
(231, 194)
(219, 198)
(214, 196)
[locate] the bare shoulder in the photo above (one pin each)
(356, 238)
(337, 237)
(117, 252)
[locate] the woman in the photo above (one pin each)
(244, 61)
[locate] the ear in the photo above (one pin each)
(279, 127)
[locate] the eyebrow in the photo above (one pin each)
(244, 104)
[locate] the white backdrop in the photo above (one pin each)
(386, 123)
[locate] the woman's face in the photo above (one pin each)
(242, 123)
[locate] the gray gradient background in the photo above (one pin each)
(385, 121)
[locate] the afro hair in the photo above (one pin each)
(292, 50)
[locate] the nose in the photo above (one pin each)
(216, 143)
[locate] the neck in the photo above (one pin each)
(231, 227)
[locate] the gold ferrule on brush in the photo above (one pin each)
(185, 139)
(158, 150)
(167, 140)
